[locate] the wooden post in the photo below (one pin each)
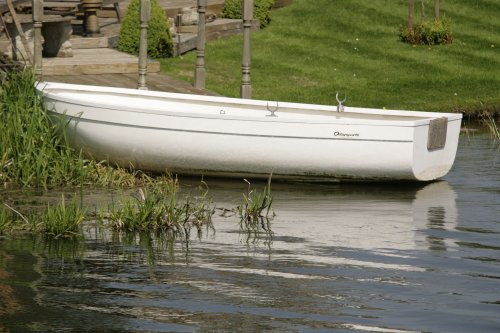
(436, 10)
(411, 10)
(144, 16)
(246, 85)
(37, 8)
(199, 72)
(20, 31)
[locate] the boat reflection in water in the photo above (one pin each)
(333, 225)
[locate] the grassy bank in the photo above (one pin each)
(312, 49)
(34, 153)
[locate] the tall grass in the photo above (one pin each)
(32, 152)
(35, 152)
(312, 49)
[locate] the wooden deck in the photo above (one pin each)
(155, 81)
(95, 61)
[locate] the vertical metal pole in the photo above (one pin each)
(199, 72)
(37, 8)
(246, 86)
(144, 16)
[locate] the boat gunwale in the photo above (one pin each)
(50, 90)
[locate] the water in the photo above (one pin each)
(344, 258)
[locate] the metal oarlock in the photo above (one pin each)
(340, 106)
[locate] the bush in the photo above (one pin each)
(427, 33)
(261, 8)
(160, 43)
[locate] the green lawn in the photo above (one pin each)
(314, 48)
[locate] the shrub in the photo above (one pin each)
(427, 33)
(261, 8)
(160, 43)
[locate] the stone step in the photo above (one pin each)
(95, 61)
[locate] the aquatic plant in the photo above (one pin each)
(255, 213)
(62, 220)
(256, 204)
(159, 207)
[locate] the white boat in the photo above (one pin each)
(229, 137)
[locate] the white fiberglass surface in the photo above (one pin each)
(225, 107)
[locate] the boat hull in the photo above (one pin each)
(216, 136)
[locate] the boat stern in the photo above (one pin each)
(436, 146)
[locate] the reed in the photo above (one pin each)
(489, 121)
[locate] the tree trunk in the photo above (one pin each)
(422, 10)
(410, 14)
(436, 9)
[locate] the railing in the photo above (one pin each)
(145, 14)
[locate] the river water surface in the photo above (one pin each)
(344, 258)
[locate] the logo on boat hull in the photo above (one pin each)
(342, 134)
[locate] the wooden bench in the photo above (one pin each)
(56, 31)
(67, 7)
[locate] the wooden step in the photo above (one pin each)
(95, 61)
(220, 28)
(186, 38)
(184, 43)
(79, 42)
